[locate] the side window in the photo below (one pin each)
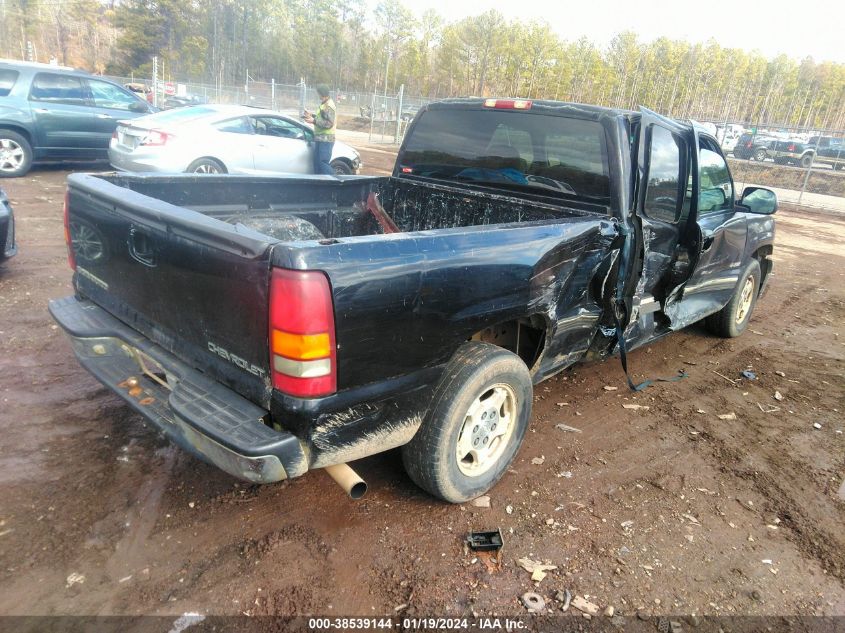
(107, 95)
(50, 88)
(664, 194)
(7, 81)
(716, 191)
(241, 125)
(273, 126)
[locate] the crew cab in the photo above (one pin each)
(277, 325)
(827, 150)
(53, 113)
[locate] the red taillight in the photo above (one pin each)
(790, 147)
(749, 144)
(508, 104)
(114, 135)
(71, 258)
(303, 359)
(156, 137)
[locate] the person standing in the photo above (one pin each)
(325, 124)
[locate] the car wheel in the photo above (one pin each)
(475, 424)
(733, 319)
(206, 166)
(341, 168)
(15, 154)
(760, 154)
(806, 161)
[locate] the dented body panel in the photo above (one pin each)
(187, 262)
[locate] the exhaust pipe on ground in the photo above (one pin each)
(347, 479)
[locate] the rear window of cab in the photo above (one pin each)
(7, 81)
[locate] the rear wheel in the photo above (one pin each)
(476, 423)
(341, 168)
(206, 166)
(15, 154)
(806, 161)
(759, 154)
(733, 319)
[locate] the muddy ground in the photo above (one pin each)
(664, 510)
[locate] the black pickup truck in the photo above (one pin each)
(277, 325)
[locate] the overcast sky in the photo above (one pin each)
(796, 28)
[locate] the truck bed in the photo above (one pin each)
(301, 209)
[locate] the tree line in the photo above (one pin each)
(340, 43)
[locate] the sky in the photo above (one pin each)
(797, 28)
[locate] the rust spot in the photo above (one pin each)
(146, 401)
(128, 383)
(135, 392)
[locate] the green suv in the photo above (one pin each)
(51, 113)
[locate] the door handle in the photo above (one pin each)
(41, 110)
(102, 116)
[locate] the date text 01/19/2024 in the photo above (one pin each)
(411, 624)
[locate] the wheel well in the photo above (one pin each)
(762, 256)
(216, 160)
(525, 337)
(18, 130)
(343, 159)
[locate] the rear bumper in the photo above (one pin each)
(200, 415)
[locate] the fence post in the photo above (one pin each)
(155, 80)
(372, 114)
(302, 94)
(810, 168)
(399, 114)
(272, 94)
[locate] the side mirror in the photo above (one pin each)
(139, 107)
(759, 200)
(300, 135)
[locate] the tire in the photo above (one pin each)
(341, 168)
(760, 154)
(838, 166)
(206, 166)
(479, 377)
(15, 154)
(733, 319)
(806, 161)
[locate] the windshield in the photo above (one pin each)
(550, 155)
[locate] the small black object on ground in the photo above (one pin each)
(488, 541)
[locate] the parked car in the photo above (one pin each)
(754, 146)
(50, 113)
(213, 139)
(7, 227)
(826, 150)
(278, 325)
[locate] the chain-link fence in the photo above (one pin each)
(806, 166)
(382, 117)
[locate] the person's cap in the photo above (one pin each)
(323, 90)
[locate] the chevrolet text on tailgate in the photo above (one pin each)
(275, 325)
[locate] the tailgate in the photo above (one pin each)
(195, 285)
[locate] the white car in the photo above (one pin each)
(214, 139)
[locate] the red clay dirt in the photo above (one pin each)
(664, 510)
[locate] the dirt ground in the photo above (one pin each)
(665, 510)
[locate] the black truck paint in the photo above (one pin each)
(175, 286)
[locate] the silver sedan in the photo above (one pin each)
(212, 139)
